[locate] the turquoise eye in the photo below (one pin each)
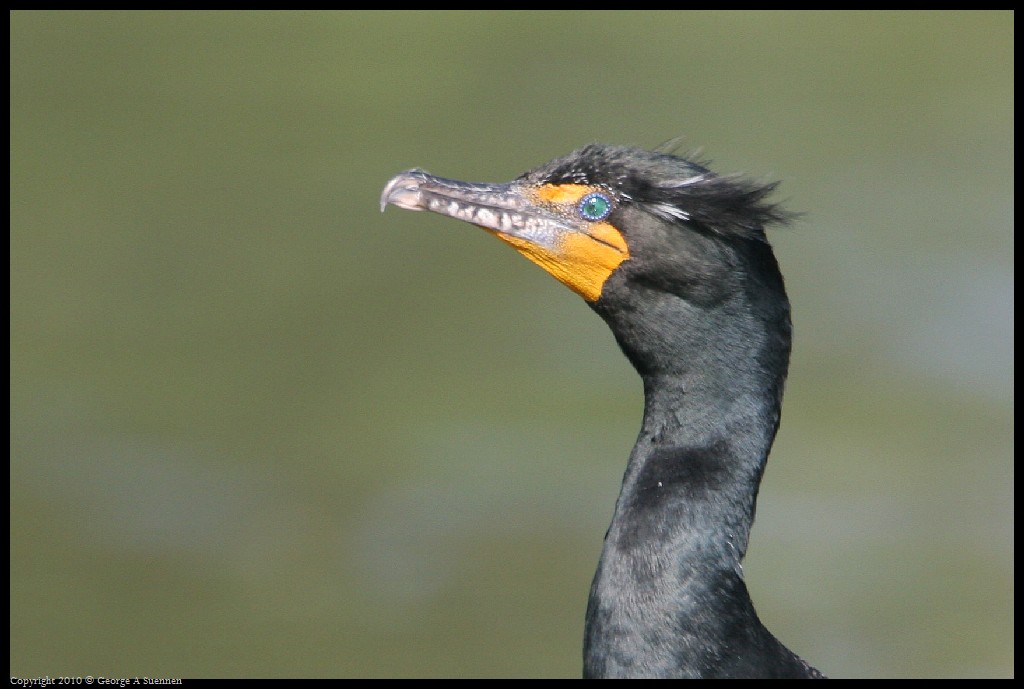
(595, 206)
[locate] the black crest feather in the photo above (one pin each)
(671, 187)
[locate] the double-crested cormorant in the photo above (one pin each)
(674, 258)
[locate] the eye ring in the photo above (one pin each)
(595, 206)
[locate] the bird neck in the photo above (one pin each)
(669, 597)
(711, 342)
(699, 456)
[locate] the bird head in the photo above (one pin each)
(629, 230)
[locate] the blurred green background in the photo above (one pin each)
(258, 428)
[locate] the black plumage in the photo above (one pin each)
(675, 259)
